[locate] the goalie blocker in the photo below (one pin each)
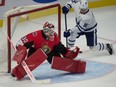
(65, 64)
(33, 61)
(20, 54)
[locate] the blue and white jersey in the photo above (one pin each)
(86, 22)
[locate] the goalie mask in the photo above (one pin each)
(48, 30)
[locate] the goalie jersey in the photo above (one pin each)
(37, 40)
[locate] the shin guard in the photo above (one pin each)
(65, 64)
(33, 62)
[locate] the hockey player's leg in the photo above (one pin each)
(65, 64)
(51, 54)
(31, 51)
(102, 46)
(33, 61)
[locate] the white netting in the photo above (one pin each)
(3, 50)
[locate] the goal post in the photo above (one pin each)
(26, 14)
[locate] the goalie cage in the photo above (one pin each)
(24, 15)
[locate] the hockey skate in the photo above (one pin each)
(109, 48)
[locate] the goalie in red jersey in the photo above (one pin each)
(48, 41)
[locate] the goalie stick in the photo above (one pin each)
(26, 68)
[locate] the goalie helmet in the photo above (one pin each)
(83, 6)
(48, 30)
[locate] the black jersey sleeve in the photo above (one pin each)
(29, 44)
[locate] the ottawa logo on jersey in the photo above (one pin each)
(45, 48)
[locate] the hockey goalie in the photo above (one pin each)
(38, 46)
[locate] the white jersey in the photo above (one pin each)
(85, 25)
(86, 22)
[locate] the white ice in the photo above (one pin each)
(106, 18)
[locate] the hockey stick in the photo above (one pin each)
(26, 68)
(65, 17)
(66, 30)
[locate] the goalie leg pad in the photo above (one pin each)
(81, 67)
(17, 72)
(65, 64)
(72, 54)
(20, 54)
(33, 61)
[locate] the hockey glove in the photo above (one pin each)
(65, 10)
(20, 54)
(72, 53)
(74, 1)
(67, 33)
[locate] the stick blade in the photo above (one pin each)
(42, 81)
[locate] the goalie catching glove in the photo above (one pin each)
(72, 53)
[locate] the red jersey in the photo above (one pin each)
(39, 41)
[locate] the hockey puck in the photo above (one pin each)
(80, 52)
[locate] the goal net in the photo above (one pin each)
(20, 21)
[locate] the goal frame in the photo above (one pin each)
(23, 13)
(2, 3)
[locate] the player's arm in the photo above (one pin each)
(68, 6)
(27, 41)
